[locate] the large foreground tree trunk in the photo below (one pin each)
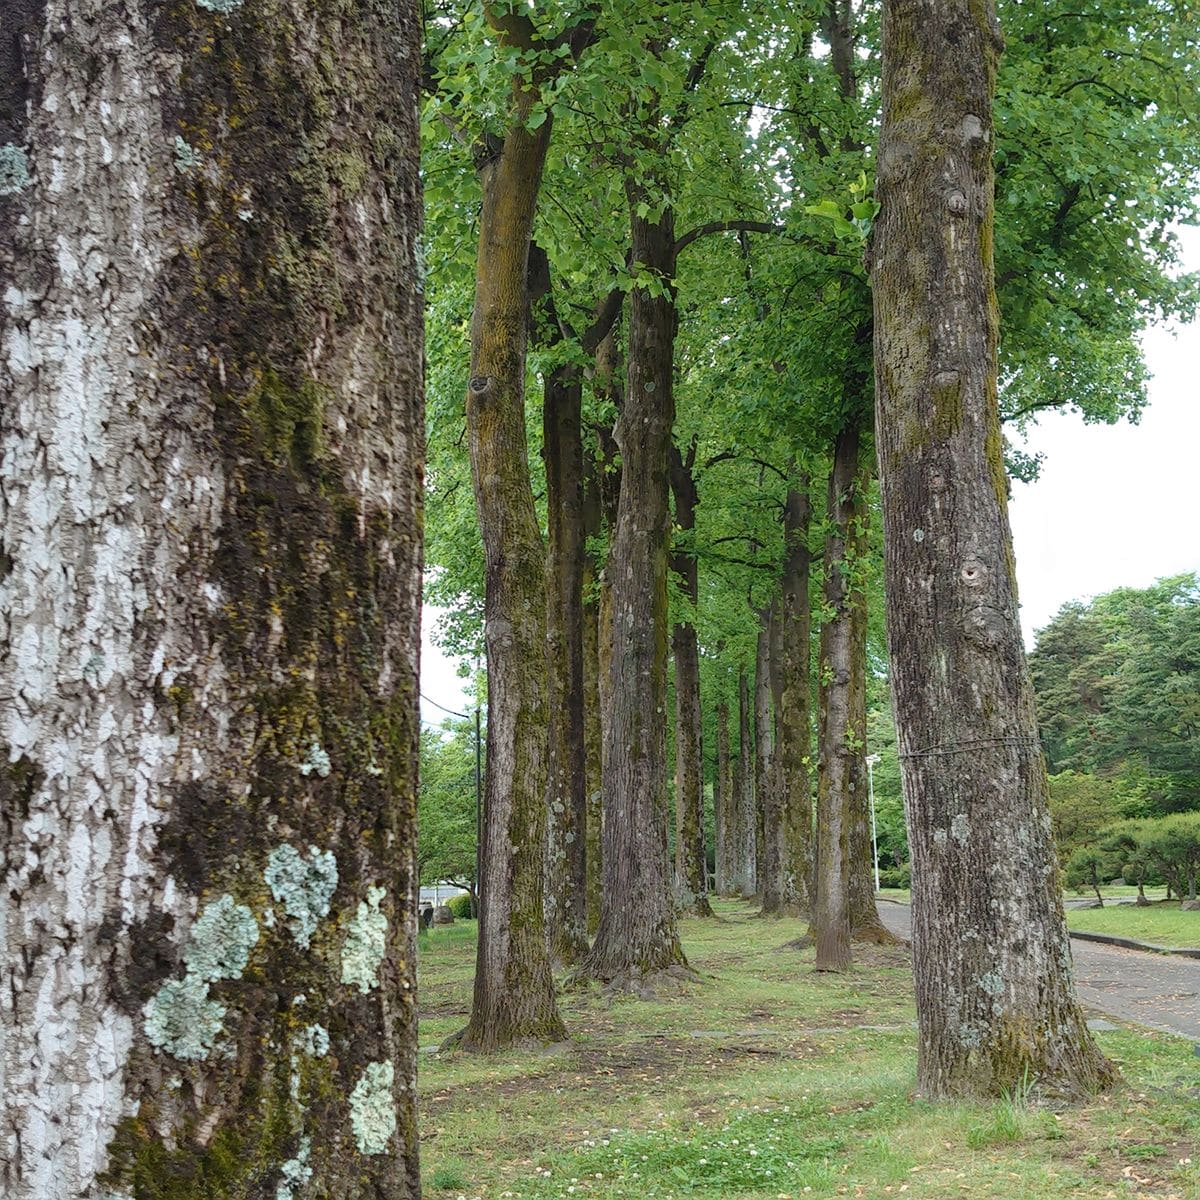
(691, 868)
(514, 990)
(790, 896)
(841, 722)
(638, 938)
(995, 999)
(211, 443)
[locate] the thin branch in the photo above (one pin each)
(729, 227)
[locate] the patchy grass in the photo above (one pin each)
(1162, 923)
(767, 1081)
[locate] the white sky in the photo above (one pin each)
(1116, 505)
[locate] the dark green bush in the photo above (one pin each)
(460, 906)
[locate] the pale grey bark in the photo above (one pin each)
(166, 732)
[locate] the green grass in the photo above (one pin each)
(1162, 923)
(767, 1080)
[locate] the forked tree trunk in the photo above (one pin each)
(742, 865)
(995, 1000)
(211, 442)
(841, 721)
(793, 748)
(691, 868)
(514, 997)
(638, 938)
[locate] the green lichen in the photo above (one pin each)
(315, 1041)
(221, 940)
(14, 169)
(182, 1020)
(316, 762)
(180, 1017)
(365, 940)
(187, 157)
(294, 1173)
(372, 1108)
(304, 888)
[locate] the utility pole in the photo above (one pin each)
(872, 759)
(479, 815)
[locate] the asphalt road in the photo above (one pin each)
(1134, 985)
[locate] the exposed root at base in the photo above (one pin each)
(651, 985)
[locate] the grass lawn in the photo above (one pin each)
(1162, 923)
(766, 1081)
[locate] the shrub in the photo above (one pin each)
(460, 906)
(896, 877)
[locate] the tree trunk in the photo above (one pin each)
(771, 865)
(743, 864)
(691, 868)
(566, 788)
(796, 709)
(514, 998)
(723, 802)
(211, 438)
(638, 938)
(764, 744)
(795, 852)
(865, 922)
(591, 698)
(841, 720)
(995, 999)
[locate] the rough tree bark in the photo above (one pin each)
(995, 999)
(638, 939)
(789, 896)
(765, 808)
(722, 797)
(514, 997)
(211, 440)
(742, 864)
(591, 698)
(566, 766)
(691, 867)
(606, 481)
(865, 922)
(841, 720)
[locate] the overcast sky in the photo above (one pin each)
(1115, 505)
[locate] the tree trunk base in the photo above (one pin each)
(645, 985)
(473, 1039)
(875, 933)
(698, 906)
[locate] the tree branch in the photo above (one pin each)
(728, 227)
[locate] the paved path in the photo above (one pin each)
(1134, 985)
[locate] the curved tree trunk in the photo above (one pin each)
(638, 937)
(795, 853)
(995, 999)
(514, 991)
(211, 441)
(691, 868)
